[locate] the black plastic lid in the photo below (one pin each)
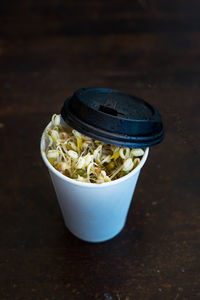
(113, 117)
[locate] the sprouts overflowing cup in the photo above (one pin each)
(87, 160)
(94, 158)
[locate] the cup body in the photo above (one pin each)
(93, 212)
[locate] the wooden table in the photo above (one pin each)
(48, 49)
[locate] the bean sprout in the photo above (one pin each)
(84, 159)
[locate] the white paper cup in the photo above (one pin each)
(93, 212)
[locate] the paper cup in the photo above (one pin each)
(93, 212)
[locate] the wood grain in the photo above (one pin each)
(151, 49)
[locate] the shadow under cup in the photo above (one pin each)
(93, 212)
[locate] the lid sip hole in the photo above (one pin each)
(109, 110)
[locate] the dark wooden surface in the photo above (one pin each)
(151, 49)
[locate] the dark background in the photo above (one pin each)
(149, 48)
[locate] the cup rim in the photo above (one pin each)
(87, 184)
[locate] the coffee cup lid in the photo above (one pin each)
(113, 117)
